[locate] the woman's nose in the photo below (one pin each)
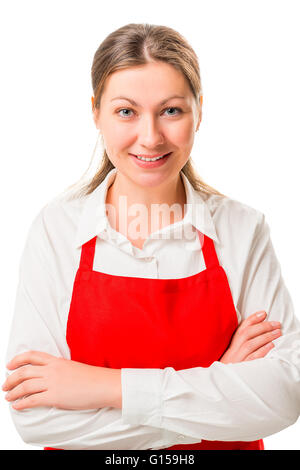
(150, 133)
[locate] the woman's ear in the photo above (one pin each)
(200, 112)
(199, 118)
(95, 112)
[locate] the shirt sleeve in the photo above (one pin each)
(229, 402)
(36, 325)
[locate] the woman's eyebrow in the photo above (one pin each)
(136, 104)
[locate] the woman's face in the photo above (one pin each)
(148, 127)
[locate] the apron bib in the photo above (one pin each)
(131, 322)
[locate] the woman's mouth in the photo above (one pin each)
(153, 162)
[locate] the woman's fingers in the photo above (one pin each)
(252, 339)
(32, 401)
(38, 358)
(254, 318)
(254, 325)
(28, 387)
(261, 352)
(256, 330)
(20, 375)
(259, 341)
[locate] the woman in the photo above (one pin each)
(141, 312)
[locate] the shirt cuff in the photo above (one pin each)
(142, 396)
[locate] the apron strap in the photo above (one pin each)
(87, 255)
(209, 251)
(207, 244)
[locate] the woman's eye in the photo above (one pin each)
(130, 110)
(178, 109)
(124, 109)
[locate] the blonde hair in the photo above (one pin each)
(138, 44)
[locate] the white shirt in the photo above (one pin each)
(161, 407)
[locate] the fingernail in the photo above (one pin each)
(276, 332)
(275, 323)
(261, 314)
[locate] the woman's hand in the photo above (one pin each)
(252, 339)
(45, 380)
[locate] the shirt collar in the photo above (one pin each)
(93, 220)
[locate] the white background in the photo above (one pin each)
(248, 143)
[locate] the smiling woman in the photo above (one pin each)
(150, 141)
(133, 335)
(149, 131)
(154, 66)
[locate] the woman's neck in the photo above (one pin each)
(130, 201)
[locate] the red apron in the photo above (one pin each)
(131, 322)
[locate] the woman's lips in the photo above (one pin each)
(156, 163)
(149, 156)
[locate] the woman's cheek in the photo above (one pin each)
(120, 137)
(183, 133)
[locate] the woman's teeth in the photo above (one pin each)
(150, 159)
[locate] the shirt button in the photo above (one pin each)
(149, 258)
(180, 436)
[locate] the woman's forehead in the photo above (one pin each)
(150, 73)
(155, 84)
